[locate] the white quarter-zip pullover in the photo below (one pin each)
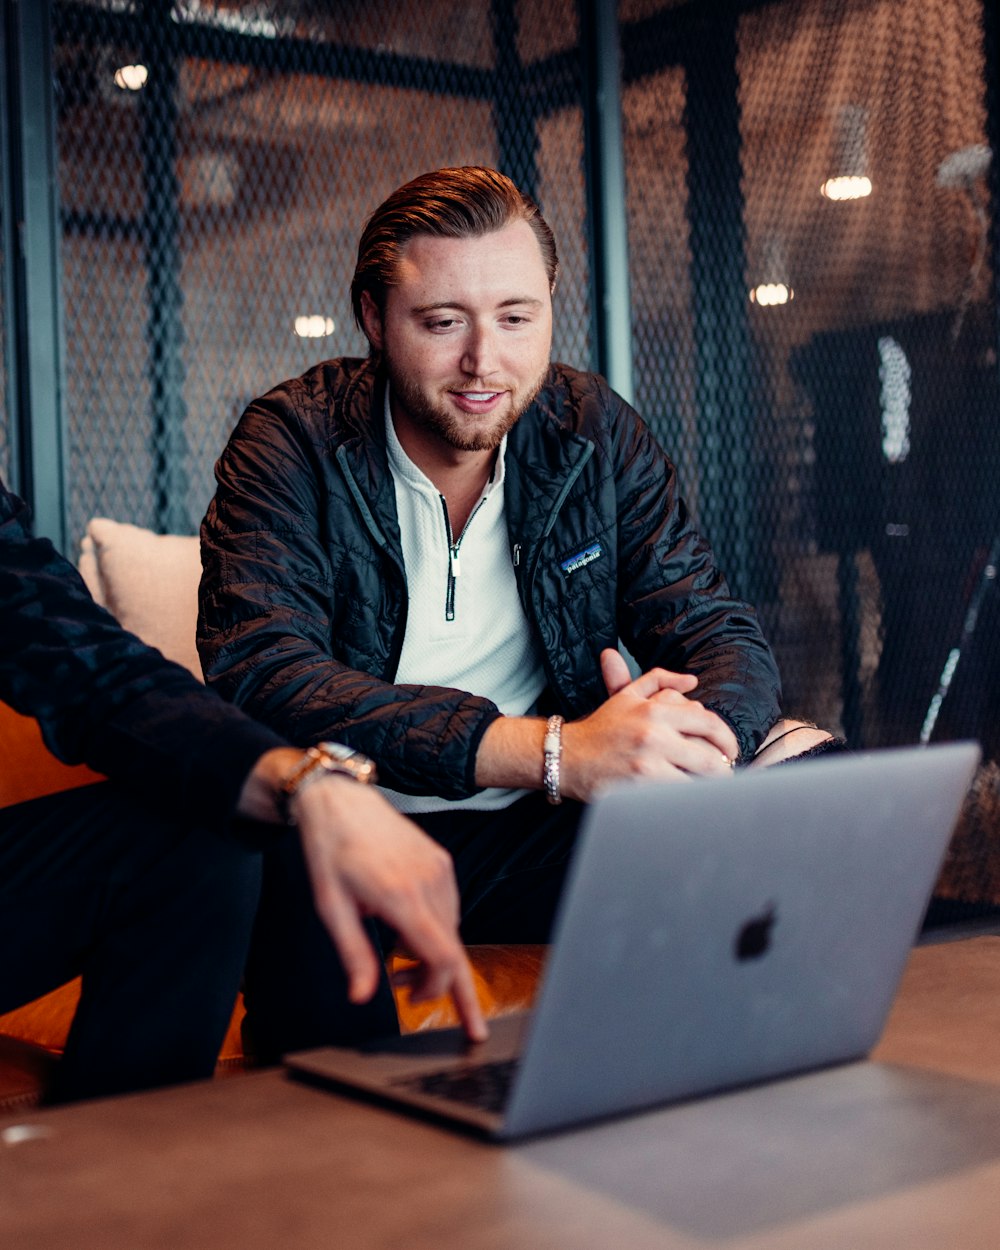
(465, 626)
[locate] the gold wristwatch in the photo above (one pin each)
(325, 757)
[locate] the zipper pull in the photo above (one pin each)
(449, 596)
(516, 554)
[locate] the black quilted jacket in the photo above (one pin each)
(303, 596)
(104, 698)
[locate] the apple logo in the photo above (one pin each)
(754, 937)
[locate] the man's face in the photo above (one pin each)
(465, 336)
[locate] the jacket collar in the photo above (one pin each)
(543, 453)
(361, 450)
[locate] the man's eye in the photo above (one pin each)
(443, 323)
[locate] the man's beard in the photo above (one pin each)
(467, 433)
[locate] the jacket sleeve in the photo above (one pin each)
(271, 604)
(102, 697)
(676, 609)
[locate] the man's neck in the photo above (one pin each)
(462, 484)
(460, 476)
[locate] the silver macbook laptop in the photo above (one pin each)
(710, 935)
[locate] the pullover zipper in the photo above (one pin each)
(453, 551)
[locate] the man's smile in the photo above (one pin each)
(476, 401)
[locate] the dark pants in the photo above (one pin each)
(510, 867)
(155, 915)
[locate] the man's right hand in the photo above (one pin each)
(365, 859)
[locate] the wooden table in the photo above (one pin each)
(900, 1152)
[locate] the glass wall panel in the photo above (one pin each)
(865, 354)
(217, 163)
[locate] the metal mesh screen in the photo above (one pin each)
(660, 259)
(846, 347)
(5, 416)
(822, 369)
(212, 201)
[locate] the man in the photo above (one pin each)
(146, 884)
(431, 555)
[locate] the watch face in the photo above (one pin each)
(347, 760)
(337, 750)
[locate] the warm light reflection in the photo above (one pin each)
(315, 327)
(770, 294)
(847, 187)
(131, 77)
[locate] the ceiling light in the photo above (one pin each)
(771, 294)
(770, 274)
(849, 178)
(131, 77)
(847, 187)
(314, 327)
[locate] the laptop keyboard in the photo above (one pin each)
(482, 1085)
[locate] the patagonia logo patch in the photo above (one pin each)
(580, 560)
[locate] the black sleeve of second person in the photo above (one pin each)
(104, 698)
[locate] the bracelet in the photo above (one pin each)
(326, 757)
(552, 758)
(794, 730)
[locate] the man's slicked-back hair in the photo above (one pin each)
(460, 203)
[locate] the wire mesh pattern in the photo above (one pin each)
(822, 368)
(5, 417)
(660, 260)
(863, 349)
(223, 195)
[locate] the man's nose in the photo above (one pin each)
(479, 359)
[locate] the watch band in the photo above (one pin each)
(325, 757)
(552, 759)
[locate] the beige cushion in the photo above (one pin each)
(148, 581)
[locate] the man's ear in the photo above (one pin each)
(372, 320)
